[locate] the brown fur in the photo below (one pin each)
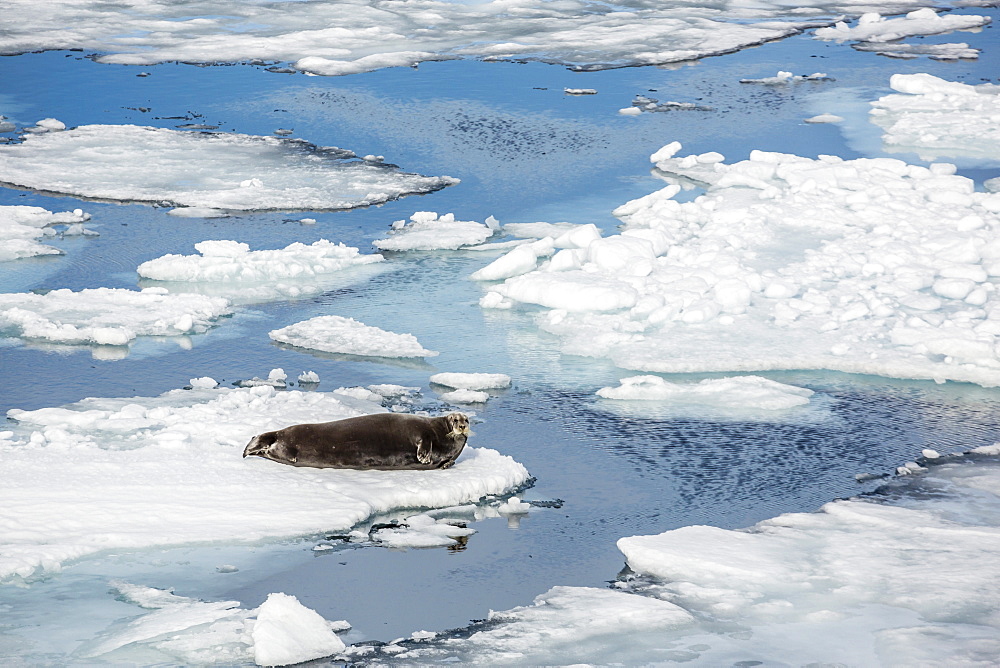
(388, 441)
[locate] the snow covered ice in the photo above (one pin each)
(231, 269)
(231, 171)
(107, 316)
(22, 226)
(187, 481)
(872, 27)
(741, 391)
(347, 336)
(335, 39)
(907, 578)
(866, 266)
(428, 231)
(937, 118)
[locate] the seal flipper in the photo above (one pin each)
(423, 450)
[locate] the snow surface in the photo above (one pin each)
(327, 37)
(428, 231)
(287, 632)
(872, 27)
(21, 226)
(64, 498)
(738, 391)
(867, 266)
(938, 118)
(213, 170)
(107, 316)
(465, 397)
(472, 381)
(233, 270)
(337, 334)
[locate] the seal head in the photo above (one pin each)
(386, 441)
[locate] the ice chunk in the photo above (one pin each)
(287, 632)
(787, 77)
(427, 231)
(22, 226)
(182, 451)
(308, 378)
(472, 381)
(203, 383)
(337, 334)
(935, 117)
(422, 531)
(107, 316)
(233, 270)
(465, 397)
(865, 266)
(872, 27)
(739, 391)
(580, 91)
(203, 170)
(825, 118)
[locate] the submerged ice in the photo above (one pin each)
(213, 170)
(868, 265)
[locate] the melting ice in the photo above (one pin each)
(193, 169)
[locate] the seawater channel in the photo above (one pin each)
(524, 152)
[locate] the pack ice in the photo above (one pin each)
(872, 27)
(231, 269)
(908, 578)
(107, 316)
(333, 38)
(937, 118)
(65, 498)
(194, 169)
(22, 226)
(869, 266)
(346, 336)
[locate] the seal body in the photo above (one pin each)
(387, 441)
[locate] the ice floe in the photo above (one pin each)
(65, 498)
(938, 118)
(472, 381)
(231, 269)
(22, 226)
(872, 27)
(825, 118)
(868, 266)
(195, 169)
(783, 77)
(428, 231)
(332, 38)
(347, 336)
(904, 578)
(738, 391)
(107, 316)
(280, 632)
(956, 51)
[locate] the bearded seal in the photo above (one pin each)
(386, 441)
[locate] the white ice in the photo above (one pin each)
(327, 37)
(231, 269)
(107, 316)
(938, 118)
(865, 266)
(214, 170)
(872, 27)
(422, 531)
(825, 118)
(738, 391)
(347, 336)
(783, 77)
(22, 226)
(63, 500)
(428, 231)
(466, 397)
(472, 381)
(955, 51)
(908, 581)
(176, 628)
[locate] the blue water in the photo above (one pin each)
(524, 152)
